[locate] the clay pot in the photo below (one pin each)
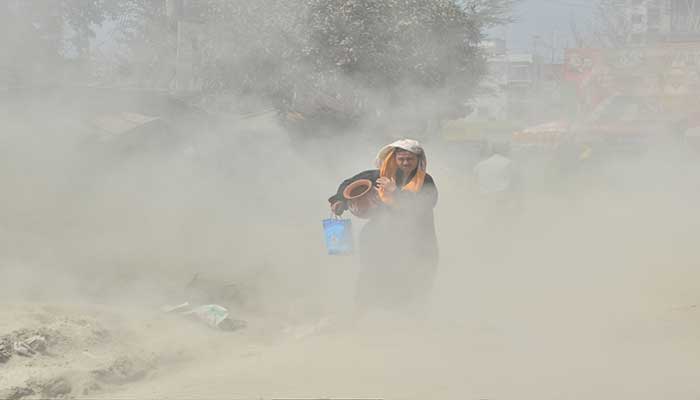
(361, 196)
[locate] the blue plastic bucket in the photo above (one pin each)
(338, 235)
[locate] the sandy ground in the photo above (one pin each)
(616, 319)
(608, 313)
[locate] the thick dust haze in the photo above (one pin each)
(585, 286)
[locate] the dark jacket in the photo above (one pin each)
(398, 246)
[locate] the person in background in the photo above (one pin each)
(398, 246)
(498, 201)
(495, 174)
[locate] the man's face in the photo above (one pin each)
(406, 161)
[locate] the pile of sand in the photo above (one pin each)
(69, 351)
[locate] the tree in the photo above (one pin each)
(611, 25)
(40, 36)
(414, 57)
(339, 61)
(147, 44)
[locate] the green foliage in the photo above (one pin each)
(344, 58)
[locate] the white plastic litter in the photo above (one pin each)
(211, 314)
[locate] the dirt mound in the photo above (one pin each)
(59, 352)
(124, 370)
(29, 342)
(48, 389)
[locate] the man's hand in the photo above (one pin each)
(386, 184)
(337, 208)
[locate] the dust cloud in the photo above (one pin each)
(586, 289)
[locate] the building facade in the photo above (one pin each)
(655, 21)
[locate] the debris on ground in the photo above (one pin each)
(210, 314)
(5, 350)
(123, 370)
(213, 315)
(179, 307)
(22, 349)
(25, 343)
(36, 344)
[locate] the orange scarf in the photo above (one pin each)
(389, 168)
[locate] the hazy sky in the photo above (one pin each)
(549, 19)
